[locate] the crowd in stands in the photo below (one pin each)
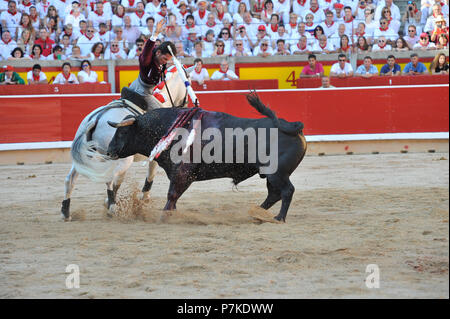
(117, 29)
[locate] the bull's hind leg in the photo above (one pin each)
(273, 196)
(149, 180)
(69, 183)
(286, 189)
(113, 186)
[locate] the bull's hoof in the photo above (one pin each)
(280, 219)
(262, 215)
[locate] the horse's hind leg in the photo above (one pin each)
(113, 186)
(68, 187)
(149, 180)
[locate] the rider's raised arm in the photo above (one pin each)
(145, 59)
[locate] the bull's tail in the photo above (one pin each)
(290, 128)
(88, 161)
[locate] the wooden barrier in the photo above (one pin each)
(235, 85)
(85, 88)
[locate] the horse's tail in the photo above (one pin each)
(87, 159)
(290, 128)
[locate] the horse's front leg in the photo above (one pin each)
(113, 186)
(149, 180)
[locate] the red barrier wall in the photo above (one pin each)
(359, 111)
(375, 81)
(235, 85)
(86, 88)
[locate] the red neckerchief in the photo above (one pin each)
(114, 51)
(220, 15)
(131, 3)
(301, 2)
(8, 41)
(101, 32)
(96, 12)
(162, 15)
(362, 7)
(83, 32)
(69, 34)
(381, 29)
(298, 46)
(314, 10)
(348, 20)
(175, 1)
(88, 37)
(310, 24)
(45, 5)
(97, 55)
(34, 19)
(121, 16)
(323, 47)
(13, 14)
(140, 15)
(276, 28)
(188, 27)
(423, 46)
(345, 49)
(222, 51)
(257, 8)
(201, 14)
(198, 71)
(382, 47)
(211, 26)
(360, 34)
(183, 13)
(36, 78)
(66, 77)
(220, 70)
(293, 25)
(26, 5)
(329, 25)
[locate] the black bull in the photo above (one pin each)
(140, 134)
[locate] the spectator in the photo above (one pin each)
(76, 54)
(130, 32)
(52, 14)
(412, 17)
(389, 4)
(103, 34)
(65, 45)
(264, 49)
(219, 49)
(431, 21)
(45, 42)
(115, 52)
(17, 54)
(335, 38)
(118, 35)
(85, 42)
(239, 49)
(301, 47)
(313, 69)
(394, 24)
(322, 46)
(225, 36)
(315, 11)
(75, 17)
(440, 28)
(381, 45)
(281, 35)
(329, 26)
(443, 42)
(412, 38)
(57, 54)
(272, 28)
(37, 52)
(238, 14)
(68, 31)
(181, 13)
(181, 54)
(25, 24)
(361, 32)
(34, 17)
(424, 43)
(242, 35)
(66, 77)
(224, 73)
(415, 67)
(401, 45)
(341, 69)
(98, 15)
(318, 31)
(362, 46)
(219, 12)
(150, 27)
(25, 41)
(367, 69)
(117, 18)
(136, 51)
(201, 15)
(36, 76)
(7, 45)
(390, 68)
(267, 11)
(439, 64)
(310, 25)
(86, 75)
(385, 31)
(10, 19)
(281, 48)
(97, 52)
(210, 25)
(199, 74)
(344, 45)
(209, 46)
(326, 82)
(9, 77)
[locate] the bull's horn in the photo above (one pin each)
(126, 122)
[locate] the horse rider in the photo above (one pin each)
(152, 64)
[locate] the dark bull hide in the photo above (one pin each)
(140, 134)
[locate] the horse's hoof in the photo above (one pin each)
(165, 216)
(280, 219)
(66, 219)
(106, 202)
(144, 196)
(112, 211)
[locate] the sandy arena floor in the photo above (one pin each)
(391, 210)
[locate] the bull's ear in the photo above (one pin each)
(126, 122)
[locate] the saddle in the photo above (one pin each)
(133, 97)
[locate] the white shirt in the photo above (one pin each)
(6, 49)
(89, 78)
(199, 77)
(389, 34)
(376, 48)
(42, 76)
(218, 75)
(257, 50)
(60, 79)
(114, 56)
(98, 18)
(12, 21)
(335, 68)
(86, 44)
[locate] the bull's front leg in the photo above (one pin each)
(177, 187)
